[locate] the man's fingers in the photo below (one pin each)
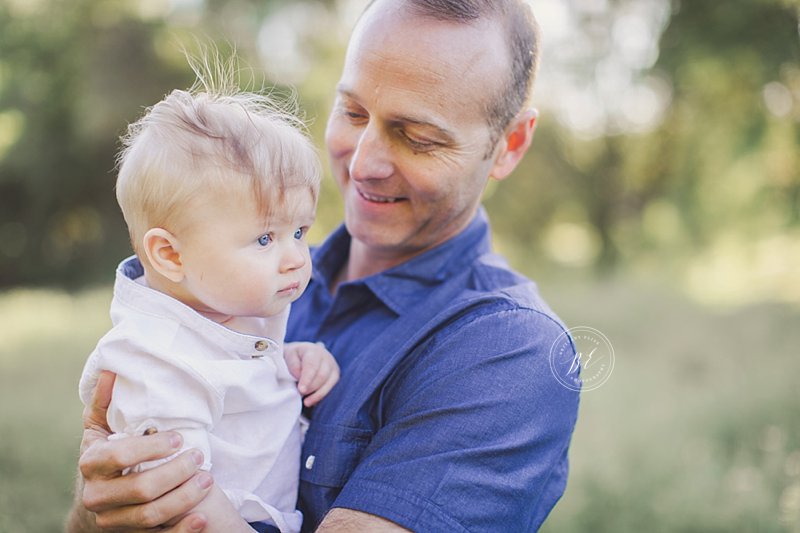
(142, 487)
(160, 511)
(107, 458)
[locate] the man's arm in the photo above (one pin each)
(340, 520)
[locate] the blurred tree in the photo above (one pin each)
(72, 73)
(735, 71)
(723, 160)
(700, 152)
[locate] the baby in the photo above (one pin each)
(218, 188)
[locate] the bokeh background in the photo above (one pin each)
(660, 204)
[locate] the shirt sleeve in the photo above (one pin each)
(159, 391)
(474, 431)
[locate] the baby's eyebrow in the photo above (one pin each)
(290, 220)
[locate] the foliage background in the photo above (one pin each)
(660, 204)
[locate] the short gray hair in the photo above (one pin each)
(522, 39)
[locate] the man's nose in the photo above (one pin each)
(372, 156)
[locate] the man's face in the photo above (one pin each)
(408, 134)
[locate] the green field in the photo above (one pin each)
(697, 430)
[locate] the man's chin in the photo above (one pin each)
(378, 236)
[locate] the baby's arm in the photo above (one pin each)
(152, 393)
(174, 398)
(314, 367)
(220, 513)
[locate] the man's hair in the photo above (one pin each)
(211, 139)
(522, 40)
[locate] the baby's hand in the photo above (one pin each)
(314, 368)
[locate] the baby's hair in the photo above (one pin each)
(213, 138)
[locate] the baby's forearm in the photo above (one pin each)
(222, 516)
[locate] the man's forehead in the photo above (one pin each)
(397, 35)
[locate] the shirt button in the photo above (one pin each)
(310, 462)
(261, 345)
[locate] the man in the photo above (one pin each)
(447, 417)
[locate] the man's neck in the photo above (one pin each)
(363, 261)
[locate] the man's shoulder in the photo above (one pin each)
(500, 287)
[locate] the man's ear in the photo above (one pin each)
(161, 248)
(515, 142)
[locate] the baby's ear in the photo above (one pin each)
(161, 248)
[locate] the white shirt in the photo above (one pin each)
(228, 394)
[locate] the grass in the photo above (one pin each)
(696, 431)
(46, 336)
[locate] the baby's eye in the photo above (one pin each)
(300, 233)
(265, 239)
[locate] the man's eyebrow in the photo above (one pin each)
(426, 124)
(401, 119)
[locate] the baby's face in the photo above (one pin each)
(237, 263)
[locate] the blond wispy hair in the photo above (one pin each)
(214, 138)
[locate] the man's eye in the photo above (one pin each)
(417, 144)
(264, 239)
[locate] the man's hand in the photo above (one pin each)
(137, 501)
(314, 368)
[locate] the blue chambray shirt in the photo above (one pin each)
(447, 416)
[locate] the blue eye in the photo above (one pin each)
(299, 233)
(264, 239)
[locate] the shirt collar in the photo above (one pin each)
(404, 285)
(132, 295)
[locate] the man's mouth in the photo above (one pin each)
(379, 199)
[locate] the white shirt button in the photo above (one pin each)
(310, 462)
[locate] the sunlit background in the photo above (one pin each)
(660, 204)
